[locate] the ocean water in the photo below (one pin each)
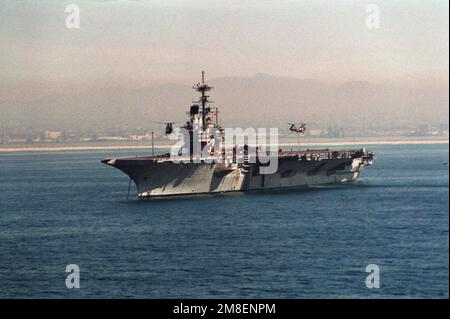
(61, 208)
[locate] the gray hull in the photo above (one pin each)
(155, 178)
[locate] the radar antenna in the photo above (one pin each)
(203, 88)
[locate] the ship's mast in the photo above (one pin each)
(203, 88)
(204, 99)
(209, 129)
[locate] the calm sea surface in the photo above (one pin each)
(61, 208)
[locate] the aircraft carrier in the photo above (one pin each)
(235, 170)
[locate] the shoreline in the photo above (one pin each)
(283, 144)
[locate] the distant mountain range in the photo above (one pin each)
(258, 101)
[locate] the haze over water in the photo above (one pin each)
(132, 63)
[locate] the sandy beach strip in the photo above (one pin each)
(78, 148)
(400, 142)
(147, 147)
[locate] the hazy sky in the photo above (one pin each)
(140, 42)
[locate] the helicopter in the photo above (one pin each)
(298, 127)
(169, 127)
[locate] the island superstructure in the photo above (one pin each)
(236, 170)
